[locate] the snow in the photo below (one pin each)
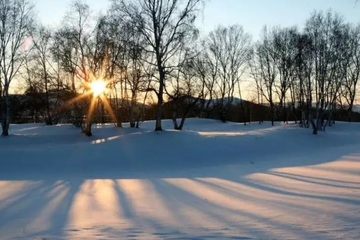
(211, 181)
(234, 101)
(356, 108)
